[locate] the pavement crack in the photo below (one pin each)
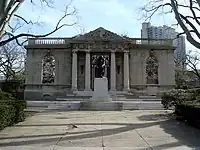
(103, 144)
(59, 139)
(144, 139)
(102, 139)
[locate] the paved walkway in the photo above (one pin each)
(125, 130)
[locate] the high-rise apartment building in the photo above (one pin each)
(166, 32)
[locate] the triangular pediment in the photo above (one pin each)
(99, 34)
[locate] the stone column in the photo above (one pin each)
(126, 71)
(74, 71)
(113, 72)
(87, 71)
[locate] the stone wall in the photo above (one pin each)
(166, 74)
(166, 69)
(34, 89)
(34, 66)
(63, 60)
(137, 66)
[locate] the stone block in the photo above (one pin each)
(103, 106)
(100, 93)
(152, 90)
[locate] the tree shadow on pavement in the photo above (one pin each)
(75, 135)
(185, 134)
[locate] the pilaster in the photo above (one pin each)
(113, 72)
(87, 71)
(126, 71)
(74, 70)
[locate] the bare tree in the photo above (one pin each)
(193, 61)
(12, 59)
(188, 69)
(180, 73)
(8, 12)
(189, 23)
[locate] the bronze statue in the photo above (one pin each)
(100, 67)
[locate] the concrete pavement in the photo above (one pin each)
(100, 130)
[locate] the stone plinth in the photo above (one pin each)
(103, 106)
(101, 99)
(152, 90)
(100, 93)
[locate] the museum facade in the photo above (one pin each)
(56, 67)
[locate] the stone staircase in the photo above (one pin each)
(120, 101)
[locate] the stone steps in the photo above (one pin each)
(136, 99)
(83, 105)
(113, 98)
(71, 99)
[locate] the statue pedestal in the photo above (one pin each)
(101, 99)
(100, 93)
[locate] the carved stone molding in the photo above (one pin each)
(74, 50)
(100, 45)
(87, 50)
(126, 51)
(113, 50)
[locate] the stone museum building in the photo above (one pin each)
(57, 67)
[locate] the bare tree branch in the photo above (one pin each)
(58, 26)
(183, 26)
(193, 12)
(9, 8)
(189, 23)
(11, 60)
(192, 61)
(198, 1)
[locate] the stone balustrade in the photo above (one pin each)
(62, 41)
(46, 41)
(151, 41)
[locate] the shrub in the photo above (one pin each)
(11, 110)
(6, 96)
(19, 106)
(7, 115)
(190, 111)
(173, 98)
(194, 94)
(12, 86)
